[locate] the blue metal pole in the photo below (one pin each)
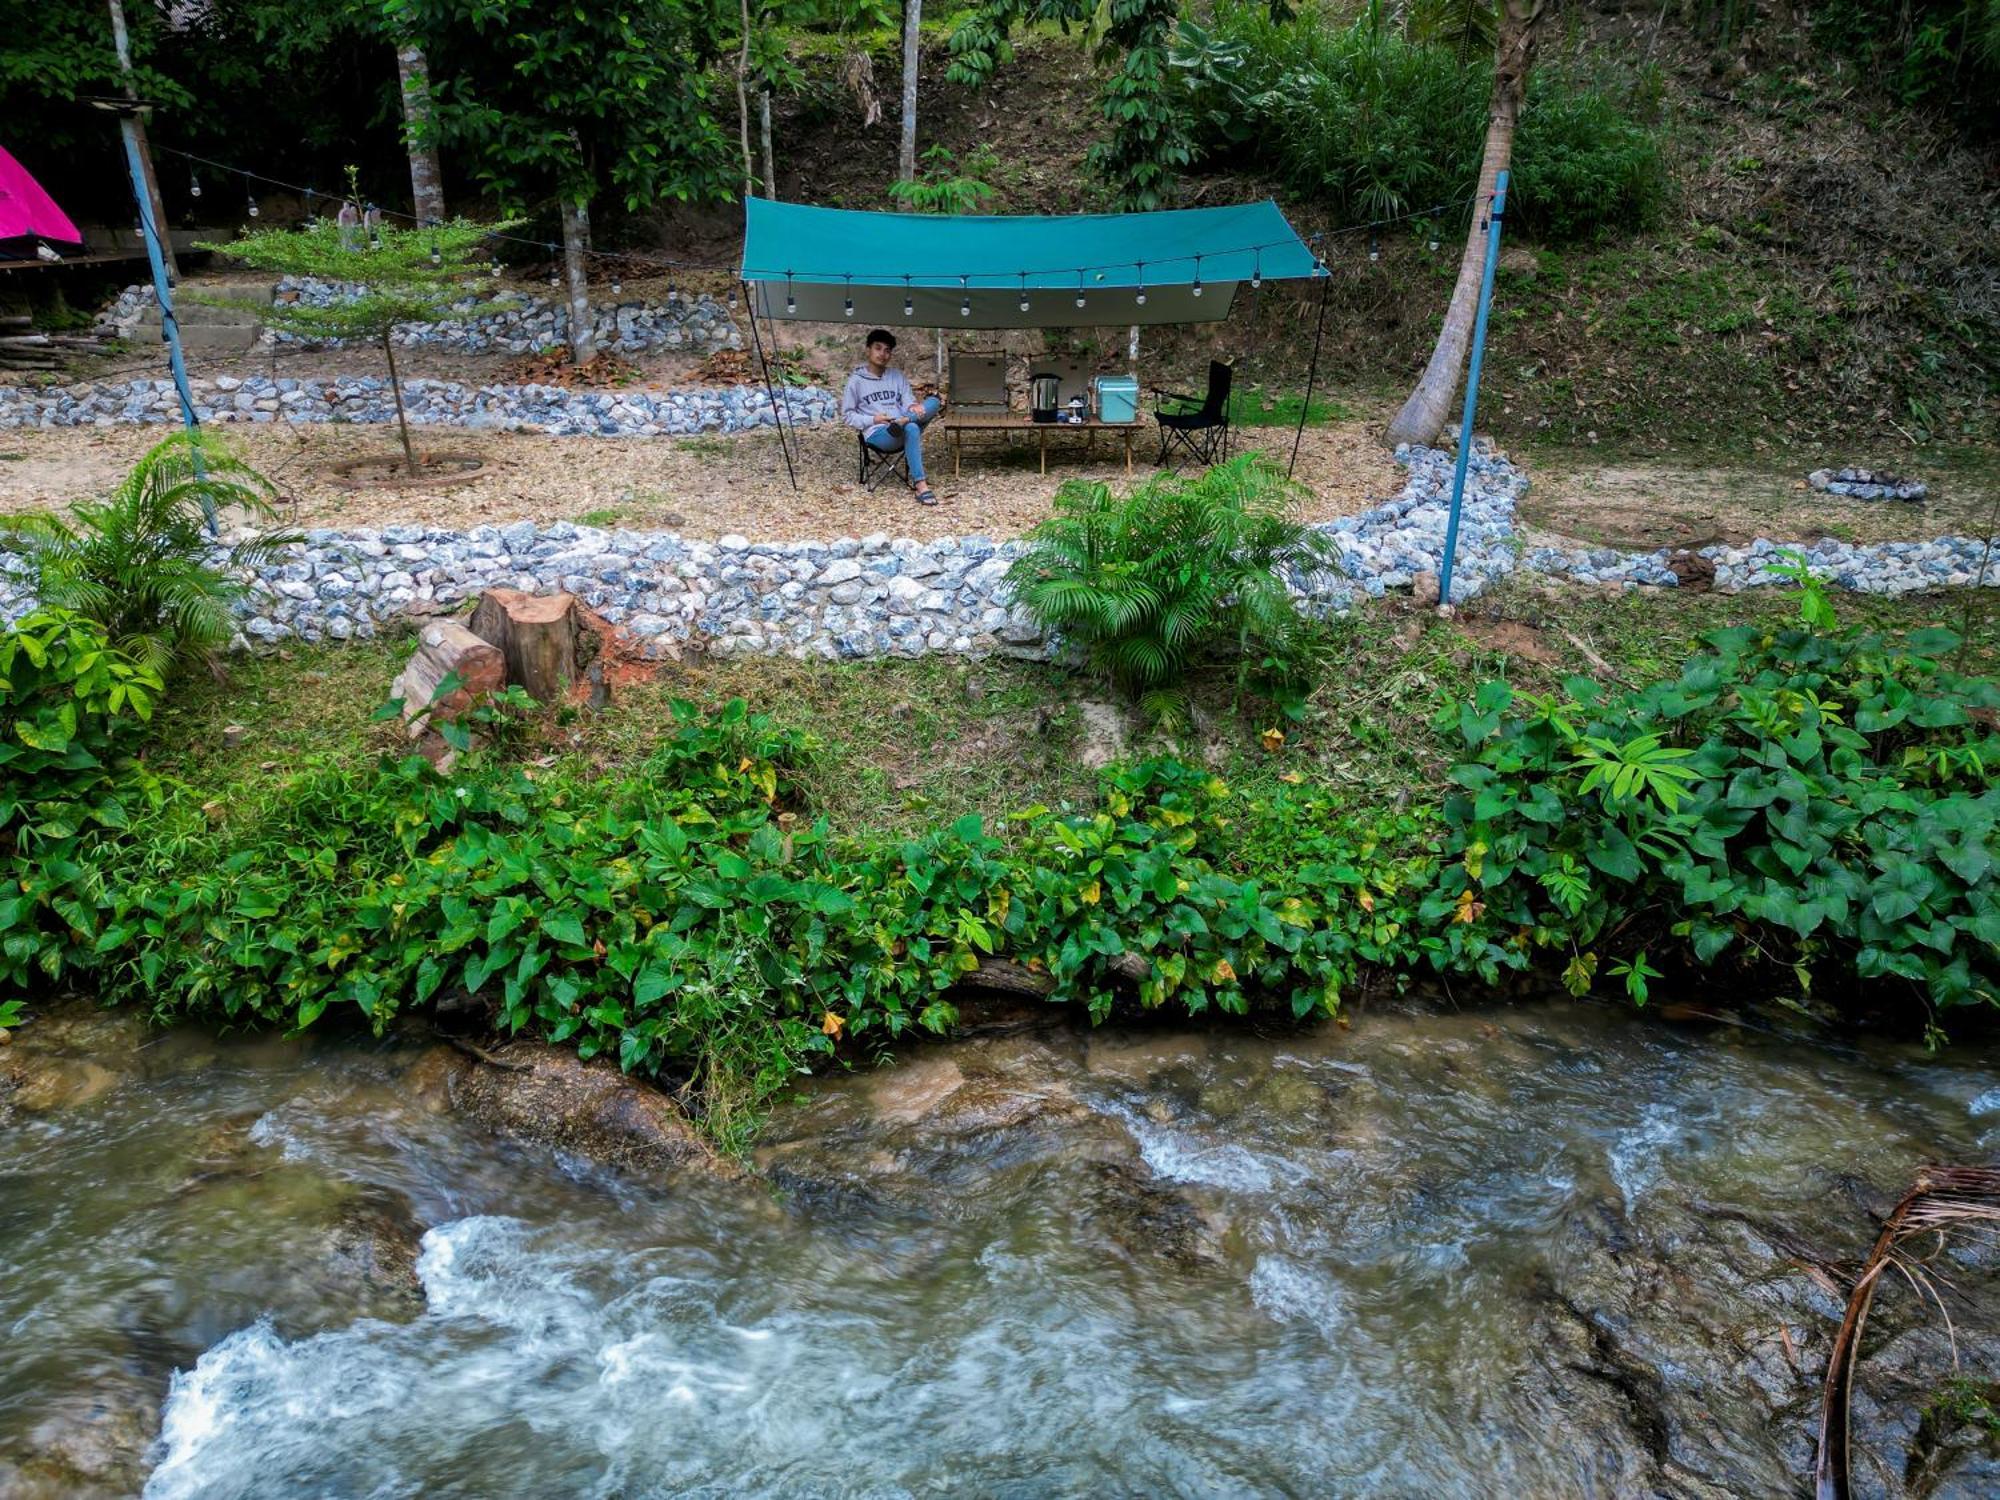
(1472, 386)
(150, 233)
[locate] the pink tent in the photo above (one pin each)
(26, 212)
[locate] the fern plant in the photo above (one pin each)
(141, 563)
(1177, 571)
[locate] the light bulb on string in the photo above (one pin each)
(1024, 291)
(1196, 288)
(964, 300)
(909, 307)
(555, 279)
(1257, 271)
(732, 297)
(617, 283)
(1374, 244)
(847, 302)
(1079, 289)
(791, 302)
(1434, 237)
(194, 184)
(249, 198)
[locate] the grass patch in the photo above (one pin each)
(1257, 407)
(912, 745)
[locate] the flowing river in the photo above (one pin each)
(1547, 1249)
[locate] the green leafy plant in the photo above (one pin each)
(946, 187)
(1800, 802)
(70, 705)
(142, 563)
(1178, 570)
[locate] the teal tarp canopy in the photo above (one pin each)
(975, 271)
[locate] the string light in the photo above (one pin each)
(312, 209)
(909, 308)
(791, 302)
(1079, 288)
(1434, 239)
(847, 305)
(250, 196)
(437, 255)
(194, 184)
(1257, 271)
(1141, 298)
(1196, 288)
(1024, 291)
(617, 283)
(554, 278)
(1374, 244)
(964, 300)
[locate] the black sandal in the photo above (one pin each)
(926, 495)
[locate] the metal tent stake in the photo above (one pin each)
(1472, 387)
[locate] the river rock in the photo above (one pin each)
(550, 1097)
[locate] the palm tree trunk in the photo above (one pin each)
(396, 389)
(906, 153)
(1429, 406)
(576, 247)
(426, 175)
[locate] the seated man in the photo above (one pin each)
(879, 404)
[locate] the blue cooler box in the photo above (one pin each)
(1117, 398)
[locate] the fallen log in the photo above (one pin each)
(446, 647)
(536, 635)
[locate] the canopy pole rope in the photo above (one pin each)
(1312, 373)
(777, 414)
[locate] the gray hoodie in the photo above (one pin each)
(872, 399)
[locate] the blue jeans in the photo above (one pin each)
(907, 439)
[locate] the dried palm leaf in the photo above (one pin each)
(1941, 1199)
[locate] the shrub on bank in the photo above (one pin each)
(1795, 800)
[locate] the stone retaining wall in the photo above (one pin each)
(698, 324)
(432, 403)
(876, 596)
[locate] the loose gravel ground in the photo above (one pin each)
(701, 486)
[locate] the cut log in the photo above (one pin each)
(446, 647)
(536, 634)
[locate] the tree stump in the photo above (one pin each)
(445, 647)
(536, 634)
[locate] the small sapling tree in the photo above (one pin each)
(395, 275)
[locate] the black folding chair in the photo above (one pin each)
(1201, 428)
(877, 465)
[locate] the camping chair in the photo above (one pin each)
(1201, 428)
(877, 465)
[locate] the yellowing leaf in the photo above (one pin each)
(1292, 777)
(832, 1025)
(1222, 973)
(1091, 894)
(1273, 740)
(1367, 901)
(1470, 908)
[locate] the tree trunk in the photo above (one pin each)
(536, 633)
(426, 176)
(764, 129)
(1424, 415)
(906, 153)
(122, 43)
(743, 104)
(396, 390)
(576, 249)
(447, 647)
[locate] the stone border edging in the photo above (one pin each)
(878, 596)
(551, 409)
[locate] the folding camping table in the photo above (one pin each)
(960, 423)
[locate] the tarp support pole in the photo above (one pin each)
(777, 413)
(1312, 373)
(1472, 388)
(128, 123)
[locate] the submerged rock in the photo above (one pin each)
(550, 1097)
